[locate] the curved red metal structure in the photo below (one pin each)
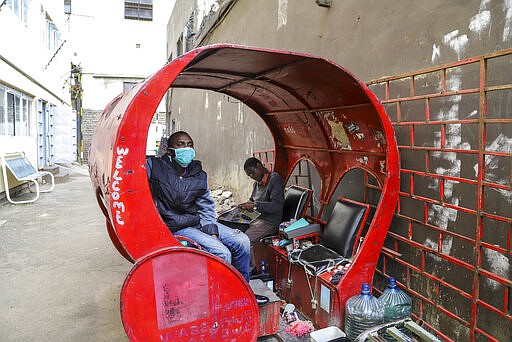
(314, 109)
(162, 302)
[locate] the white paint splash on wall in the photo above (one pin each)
(240, 112)
(498, 264)
(177, 122)
(206, 101)
(502, 143)
(483, 4)
(436, 53)
(507, 30)
(480, 21)
(454, 83)
(450, 36)
(441, 216)
(219, 110)
(493, 164)
(456, 42)
(282, 14)
(249, 143)
(437, 214)
(472, 114)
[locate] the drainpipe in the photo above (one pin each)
(76, 104)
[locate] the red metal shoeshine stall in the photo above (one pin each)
(315, 111)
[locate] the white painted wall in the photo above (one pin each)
(24, 44)
(24, 53)
(112, 49)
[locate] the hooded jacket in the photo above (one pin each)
(182, 201)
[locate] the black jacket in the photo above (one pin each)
(181, 199)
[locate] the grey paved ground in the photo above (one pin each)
(60, 277)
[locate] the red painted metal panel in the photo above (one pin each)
(207, 300)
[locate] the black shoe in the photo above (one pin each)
(261, 300)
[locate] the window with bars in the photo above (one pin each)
(50, 34)
(67, 6)
(15, 112)
(20, 8)
(138, 9)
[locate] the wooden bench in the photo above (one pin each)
(22, 170)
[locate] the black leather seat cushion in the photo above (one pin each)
(341, 229)
(337, 239)
(295, 200)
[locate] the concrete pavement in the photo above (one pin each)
(60, 276)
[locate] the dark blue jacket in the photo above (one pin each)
(182, 201)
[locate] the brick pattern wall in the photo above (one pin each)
(89, 120)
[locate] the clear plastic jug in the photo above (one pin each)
(362, 312)
(397, 305)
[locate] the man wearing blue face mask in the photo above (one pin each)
(182, 196)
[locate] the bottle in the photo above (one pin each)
(397, 305)
(263, 267)
(362, 312)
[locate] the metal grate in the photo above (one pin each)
(449, 245)
(266, 157)
(451, 237)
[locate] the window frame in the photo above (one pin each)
(67, 6)
(138, 10)
(19, 8)
(15, 112)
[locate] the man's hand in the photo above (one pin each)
(247, 205)
(211, 229)
(215, 236)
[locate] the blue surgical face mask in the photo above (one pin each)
(184, 156)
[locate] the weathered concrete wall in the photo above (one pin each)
(370, 39)
(177, 21)
(225, 133)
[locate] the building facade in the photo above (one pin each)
(35, 111)
(115, 45)
(448, 241)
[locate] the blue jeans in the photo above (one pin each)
(232, 246)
